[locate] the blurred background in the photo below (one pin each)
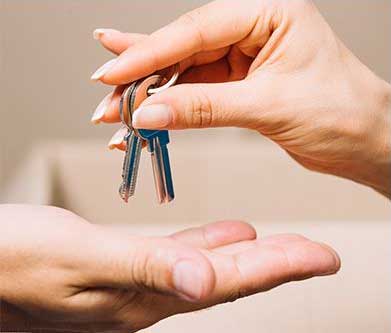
(50, 153)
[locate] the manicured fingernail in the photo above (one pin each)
(337, 260)
(98, 33)
(101, 71)
(188, 279)
(117, 138)
(152, 116)
(101, 109)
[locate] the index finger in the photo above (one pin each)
(216, 234)
(215, 25)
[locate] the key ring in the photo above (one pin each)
(126, 98)
(169, 84)
(124, 104)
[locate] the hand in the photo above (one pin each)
(59, 272)
(274, 66)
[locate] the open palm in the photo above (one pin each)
(60, 272)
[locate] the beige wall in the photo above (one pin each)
(47, 55)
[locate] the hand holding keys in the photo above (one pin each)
(156, 140)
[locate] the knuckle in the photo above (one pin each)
(237, 290)
(142, 271)
(192, 20)
(148, 270)
(233, 295)
(201, 110)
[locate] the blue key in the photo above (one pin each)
(157, 145)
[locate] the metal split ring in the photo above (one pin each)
(167, 85)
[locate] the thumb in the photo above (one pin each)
(159, 265)
(198, 106)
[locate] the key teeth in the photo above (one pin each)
(130, 172)
(132, 185)
(125, 195)
(121, 192)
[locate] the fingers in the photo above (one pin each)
(208, 236)
(116, 41)
(250, 267)
(117, 141)
(270, 262)
(190, 34)
(153, 264)
(108, 109)
(201, 106)
(216, 234)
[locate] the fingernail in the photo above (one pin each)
(98, 33)
(152, 116)
(336, 258)
(117, 138)
(188, 280)
(101, 109)
(101, 71)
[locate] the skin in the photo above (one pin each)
(272, 66)
(59, 272)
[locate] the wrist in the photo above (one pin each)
(374, 169)
(382, 171)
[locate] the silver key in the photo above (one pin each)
(133, 147)
(131, 166)
(131, 99)
(157, 146)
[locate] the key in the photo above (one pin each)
(157, 146)
(130, 99)
(130, 166)
(133, 146)
(157, 141)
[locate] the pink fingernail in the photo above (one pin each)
(101, 109)
(101, 71)
(117, 138)
(152, 116)
(98, 33)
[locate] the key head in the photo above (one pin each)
(163, 136)
(147, 134)
(140, 94)
(124, 106)
(150, 134)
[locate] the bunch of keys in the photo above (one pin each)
(156, 140)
